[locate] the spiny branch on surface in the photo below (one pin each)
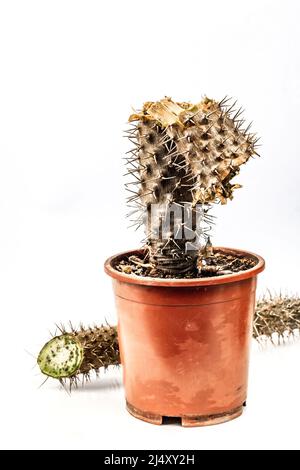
(75, 353)
(277, 318)
(72, 356)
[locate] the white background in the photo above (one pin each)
(70, 72)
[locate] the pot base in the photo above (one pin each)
(186, 420)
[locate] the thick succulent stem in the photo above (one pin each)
(79, 352)
(278, 316)
(185, 158)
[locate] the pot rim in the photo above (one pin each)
(204, 281)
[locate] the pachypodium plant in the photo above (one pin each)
(183, 160)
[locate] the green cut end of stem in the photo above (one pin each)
(61, 357)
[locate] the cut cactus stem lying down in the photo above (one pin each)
(76, 353)
(73, 355)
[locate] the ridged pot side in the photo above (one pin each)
(185, 344)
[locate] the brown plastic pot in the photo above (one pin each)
(184, 343)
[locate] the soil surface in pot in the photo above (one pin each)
(217, 264)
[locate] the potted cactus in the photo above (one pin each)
(184, 307)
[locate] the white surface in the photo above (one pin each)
(69, 73)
